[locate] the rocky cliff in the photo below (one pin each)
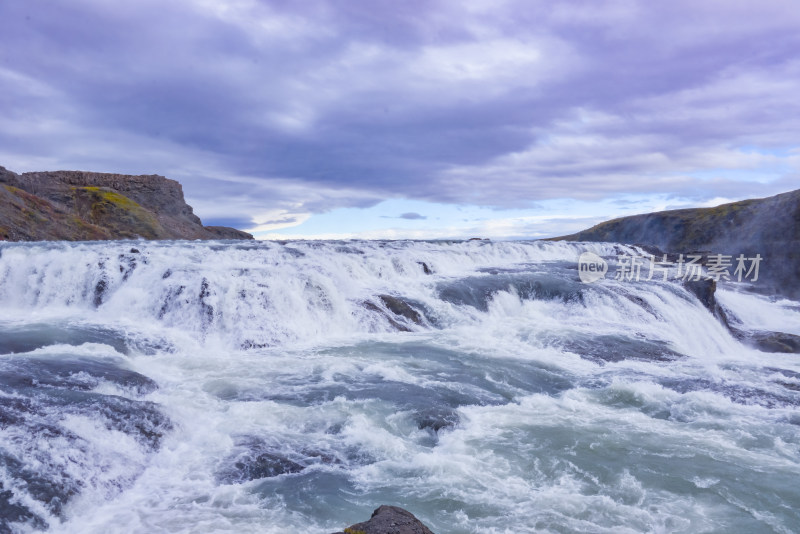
(767, 226)
(84, 206)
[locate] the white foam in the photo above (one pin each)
(566, 460)
(761, 313)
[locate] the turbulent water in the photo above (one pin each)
(273, 388)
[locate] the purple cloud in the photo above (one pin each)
(275, 109)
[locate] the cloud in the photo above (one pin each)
(411, 216)
(500, 228)
(270, 111)
(232, 222)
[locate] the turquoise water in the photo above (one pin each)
(196, 387)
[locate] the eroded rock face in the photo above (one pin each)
(77, 205)
(768, 226)
(704, 290)
(389, 520)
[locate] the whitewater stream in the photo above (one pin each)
(264, 387)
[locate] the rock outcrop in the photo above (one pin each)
(389, 520)
(85, 206)
(768, 226)
(764, 341)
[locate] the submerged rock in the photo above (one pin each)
(425, 268)
(389, 520)
(603, 349)
(775, 342)
(764, 341)
(400, 307)
(397, 312)
(478, 291)
(264, 465)
(436, 418)
(45, 460)
(255, 458)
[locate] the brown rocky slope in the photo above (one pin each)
(769, 227)
(88, 206)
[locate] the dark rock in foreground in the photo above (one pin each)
(90, 206)
(389, 520)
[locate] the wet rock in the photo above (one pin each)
(43, 386)
(608, 348)
(50, 488)
(776, 342)
(425, 268)
(739, 393)
(99, 292)
(12, 511)
(400, 307)
(639, 301)
(30, 337)
(127, 264)
(651, 249)
(764, 341)
(12, 411)
(255, 458)
(392, 321)
(389, 520)
(206, 309)
(436, 419)
(478, 291)
(704, 290)
(44, 463)
(52, 491)
(70, 373)
(264, 465)
(142, 420)
(394, 309)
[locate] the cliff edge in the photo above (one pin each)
(766, 226)
(88, 206)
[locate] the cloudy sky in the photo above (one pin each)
(410, 119)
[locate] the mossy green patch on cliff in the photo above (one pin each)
(116, 212)
(113, 197)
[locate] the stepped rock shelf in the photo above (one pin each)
(91, 206)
